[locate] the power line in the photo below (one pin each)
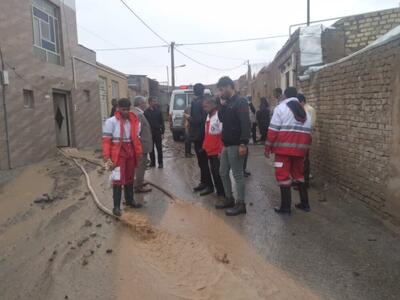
(23, 78)
(131, 48)
(195, 44)
(208, 66)
(214, 55)
(98, 36)
(144, 23)
(167, 43)
(234, 41)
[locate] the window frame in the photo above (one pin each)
(112, 89)
(54, 29)
(30, 93)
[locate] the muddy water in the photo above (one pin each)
(188, 252)
(193, 254)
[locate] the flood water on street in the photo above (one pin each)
(182, 247)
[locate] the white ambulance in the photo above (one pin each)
(181, 98)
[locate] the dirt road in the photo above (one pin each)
(62, 247)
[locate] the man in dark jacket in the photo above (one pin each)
(154, 117)
(234, 115)
(197, 121)
(114, 103)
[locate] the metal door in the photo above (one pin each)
(103, 98)
(61, 119)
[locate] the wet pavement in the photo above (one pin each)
(184, 248)
(341, 250)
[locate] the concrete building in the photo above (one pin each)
(138, 85)
(51, 98)
(112, 84)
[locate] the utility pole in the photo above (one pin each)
(308, 12)
(3, 90)
(167, 80)
(248, 77)
(172, 65)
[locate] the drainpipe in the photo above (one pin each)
(3, 89)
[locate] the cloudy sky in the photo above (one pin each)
(105, 24)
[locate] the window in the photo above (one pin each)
(114, 89)
(46, 31)
(180, 102)
(28, 99)
(86, 94)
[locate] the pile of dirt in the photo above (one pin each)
(140, 225)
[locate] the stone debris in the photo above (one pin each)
(82, 241)
(82, 198)
(222, 258)
(98, 225)
(88, 223)
(109, 251)
(45, 198)
(85, 261)
(93, 234)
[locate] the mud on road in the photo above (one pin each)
(56, 244)
(61, 247)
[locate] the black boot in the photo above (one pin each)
(130, 201)
(286, 201)
(239, 208)
(117, 192)
(208, 190)
(303, 205)
(225, 203)
(200, 187)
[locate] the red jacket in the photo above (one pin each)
(286, 135)
(112, 137)
(213, 135)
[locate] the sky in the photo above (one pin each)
(105, 24)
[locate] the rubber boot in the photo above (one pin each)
(286, 201)
(225, 203)
(129, 198)
(303, 205)
(117, 193)
(238, 209)
(200, 187)
(208, 190)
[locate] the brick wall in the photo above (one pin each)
(361, 30)
(356, 102)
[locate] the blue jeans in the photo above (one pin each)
(231, 160)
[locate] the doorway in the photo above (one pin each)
(61, 118)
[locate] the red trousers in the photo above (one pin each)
(288, 169)
(127, 163)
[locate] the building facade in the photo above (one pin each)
(112, 85)
(138, 85)
(314, 46)
(356, 138)
(51, 97)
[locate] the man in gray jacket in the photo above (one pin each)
(139, 106)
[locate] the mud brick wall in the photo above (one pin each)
(355, 143)
(361, 30)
